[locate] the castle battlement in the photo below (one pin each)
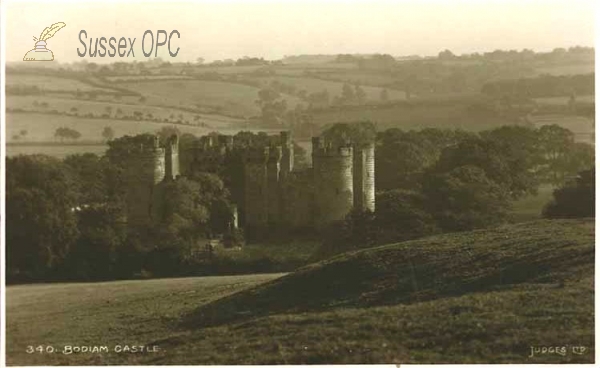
(267, 190)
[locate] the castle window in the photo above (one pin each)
(337, 191)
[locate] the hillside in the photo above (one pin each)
(485, 296)
(543, 252)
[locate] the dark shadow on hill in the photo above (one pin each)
(548, 251)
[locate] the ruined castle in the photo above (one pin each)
(268, 191)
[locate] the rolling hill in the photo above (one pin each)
(487, 296)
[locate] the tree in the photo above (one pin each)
(40, 221)
(63, 133)
(95, 254)
(401, 215)
(384, 95)
(562, 157)
(359, 133)
(575, 199)
(272, 106)
(446, 55)
(361, 95)
(89, 174)
(108, 133)
(502, 161)
(464, 198)
(348, 96)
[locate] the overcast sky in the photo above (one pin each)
(272, 29)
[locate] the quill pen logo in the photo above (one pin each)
(40, 52)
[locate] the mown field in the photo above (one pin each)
(487, 296)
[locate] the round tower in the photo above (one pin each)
(364, 177)
(332, 170)
(275, 214)
(255, 189)
(145, 170)
(172, 158)
(369, 182)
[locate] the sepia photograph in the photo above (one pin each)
(298, 182)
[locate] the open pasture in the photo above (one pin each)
(334, 88)
(116, 110)
(447, 115)
(41, 127)
(51, 83)
(229, 98)
(107, 313)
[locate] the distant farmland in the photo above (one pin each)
(51, 83)
(416, 115)
(227, 98)
(334, 88)
(115, 109)
(41, 127)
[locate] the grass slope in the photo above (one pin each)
(106, 313)
(475, 297)
(425, 269)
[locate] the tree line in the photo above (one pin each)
(66, 218)
(434, 181)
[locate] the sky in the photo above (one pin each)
(272, 29)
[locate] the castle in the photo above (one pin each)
(268, 191)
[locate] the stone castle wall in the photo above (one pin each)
(333, 182)
(364, 177)
(268, 192)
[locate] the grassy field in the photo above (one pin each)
(334, 88)
(123, 312)
(58, 151)
(115, 109)
(232, 98)
(564, 100)
(583, 68)
(487, 296)
(416, 115)
(41, 127)
(530, 207)
(51, 83)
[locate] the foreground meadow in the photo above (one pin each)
(498, 295)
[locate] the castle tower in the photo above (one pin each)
(145, 170)
(364, 177)
(255, 188)
(332, 170)
(287, 150)
(172, 158)
(274, 193)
